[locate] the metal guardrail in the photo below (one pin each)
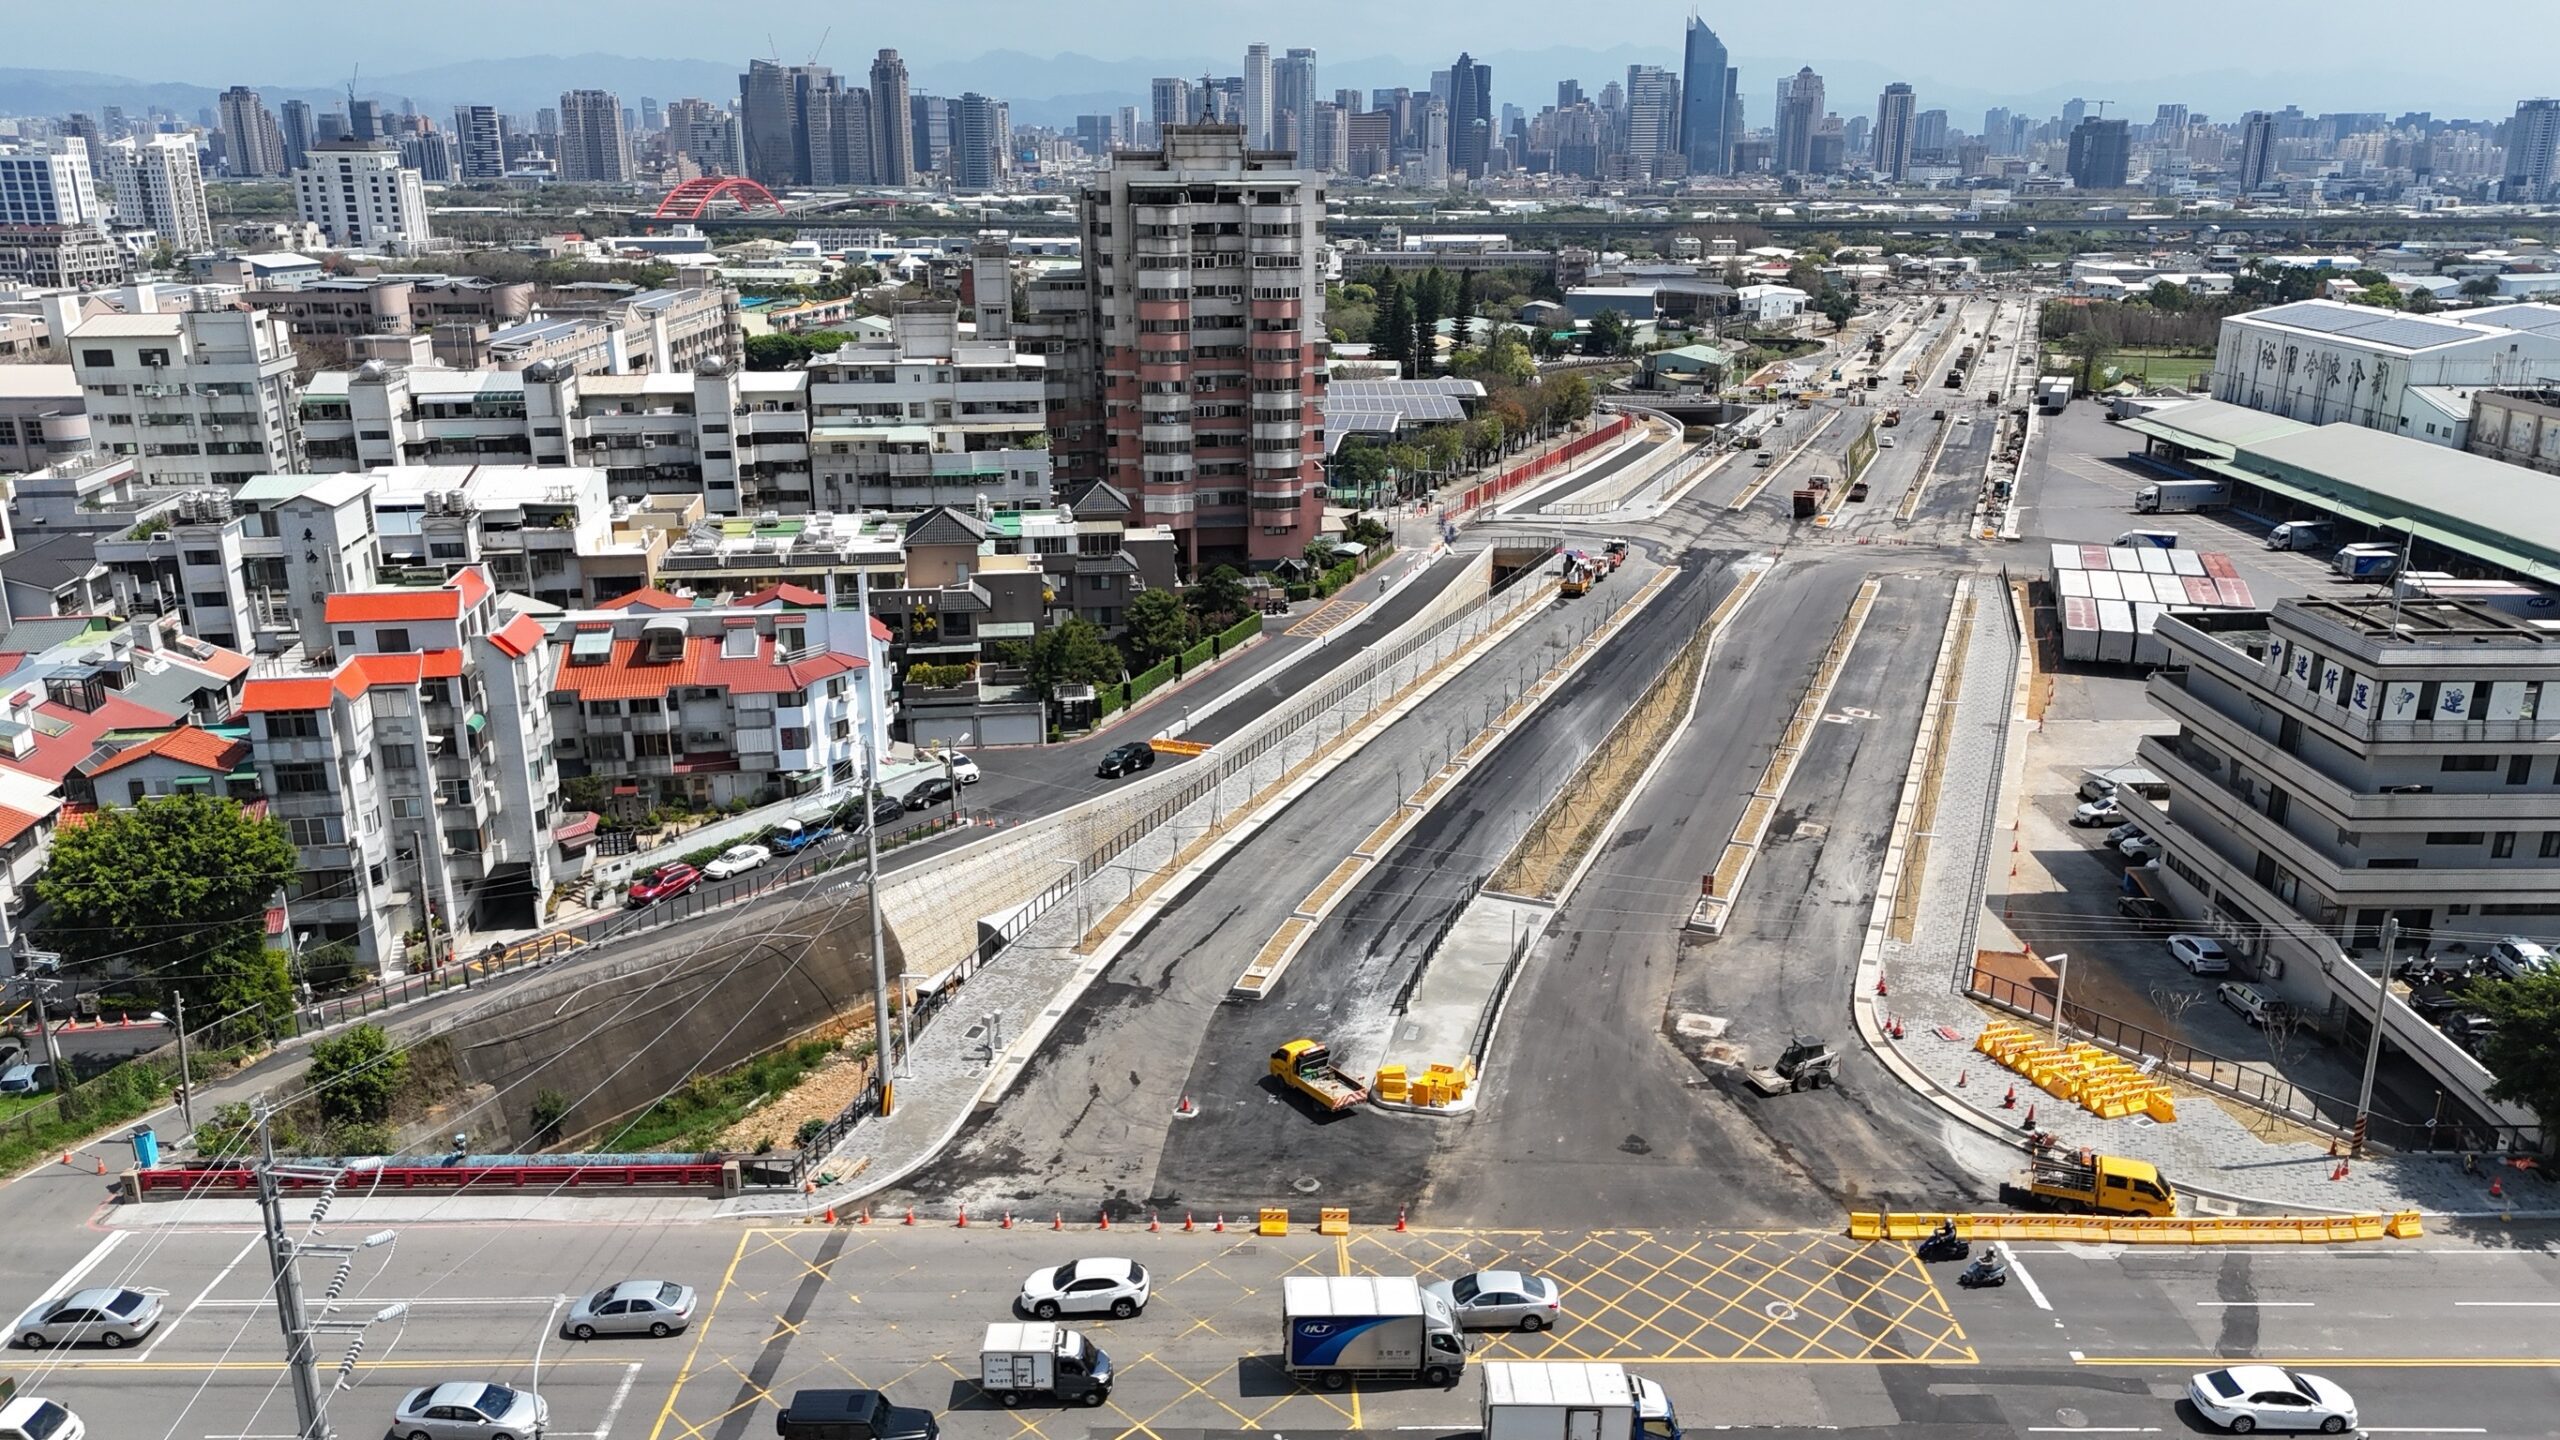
(492, 1179)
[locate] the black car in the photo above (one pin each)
(1126, 759)
(2143, 910)
(852, 1415)
(885, 810)
(932, 792)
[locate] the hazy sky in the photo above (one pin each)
(2362, 54)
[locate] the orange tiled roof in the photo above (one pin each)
(15, 822)
(188, 745)
(379, 606)
(647, 600)
(518, 637)
(623, 675)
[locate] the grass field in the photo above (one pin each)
(2143, 367)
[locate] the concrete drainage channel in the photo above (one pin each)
(1712, 910)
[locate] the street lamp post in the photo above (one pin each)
(2061, 977)
(2373, 1043)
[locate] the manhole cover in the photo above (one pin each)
(1779, 1310)
(2072, 1418)
(1306, 1184)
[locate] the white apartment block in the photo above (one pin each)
(739, 439)
(159, 186)
(251, 569)
(198, 398)
(363, 197)
(925, 417)
(47, 184)
(2342, 762)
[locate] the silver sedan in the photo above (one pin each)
(1502, 1300)
(105, 1316)
(634, 1307)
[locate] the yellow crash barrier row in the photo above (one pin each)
(1333, 1220)
(2143, 1230)
(1177, 747)
(1273, 1221)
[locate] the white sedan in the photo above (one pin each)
(470, 1410)
(2201, 954)
(963, 769)
(736, 860)
(2270, 1397)
(1117, 1288)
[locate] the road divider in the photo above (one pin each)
(1761, 481)
(1163, 746)
(2144, 1230)
(1724, 885)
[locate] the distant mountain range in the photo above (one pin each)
(1033, 84)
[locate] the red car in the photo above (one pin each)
(660, 883)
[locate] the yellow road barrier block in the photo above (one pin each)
(1272, 1221)
(1333, 1220)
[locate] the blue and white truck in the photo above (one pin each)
(2366, 562)
(1338, 1328)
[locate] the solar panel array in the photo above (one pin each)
(1421, 409)
(2539, 319)
(1401, 389)
(2374, 327)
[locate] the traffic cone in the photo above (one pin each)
(1221, 1227)
(102, 1164)
(1897, 1027)
(831, 1214)
(1106, 1219)
(1399, 1219)
(1185, 1107)
(1187, 1226)
(911, 1214)
(1008, 1221)
(2340, 1173)
(2030, 1122)
(1880, 989)
(66, 1157)
(1960, 1078)
(2498, 1188)
(866, 1213)
(1058, 1220)
(1153, 1224)
(2010, 1100)
(963, 1222)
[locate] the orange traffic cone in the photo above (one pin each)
(1106, 1219)
(831, 1214)
(1960, 1078)
(2340, 1173)
(1399, 1220)
(866, 1213)
(1008, 1220)
(2030, 1122)
(2010, 1100)
(911, 1214)
(2498, 1188)
(1187, 1226)
(1221, 1227)
(1153, 1224)
(1880, 989)
(963, 1222)
(102, 1164)
(1058, 1220)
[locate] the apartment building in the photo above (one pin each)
(199, 398)
(411, 764)
(43, 416)
(363, 197)
(159, 187)
(77, 257)
(739, 439)
(670, 329)
(250, 568)
(1205, 266)
(2339, 762)
(674, 704)
(925, 417)
(47, 184)
(458, 313)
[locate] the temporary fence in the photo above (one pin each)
(1485, 493)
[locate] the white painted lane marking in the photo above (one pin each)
(70, 1280)
(2510, 1304)
(2424, 1430)
(2035, 1292)
(2093, 1429)
(207, 1292)
(2254, 1304)
(432, 1300)
(621, 1393)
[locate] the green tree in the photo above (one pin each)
(354, 1075)
(1074, 652)
(1609, 334)
(1219, 599)
(1837, 306)
(178, 887)
(776, 352)
(1159, 628)
(1465, 308)
(1361, 469)
(1572, 399)
(2422, 301)
(2384, 296)
(2523, 1052)
(2169, 296)
(1430, 303)
(2480, 287)
(1392, 334)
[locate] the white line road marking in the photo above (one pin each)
(2076, 1355)
(621, 1393)
(71, 1278)
(261, 1301)
(2510, 1304)
(2254, 1304)
(2424, 1430)
(2093, 1429)
(207, 1292)
(2035, 1292)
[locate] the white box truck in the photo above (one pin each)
(1556, 1400)
(2298, 535)
(1338, 1328)
(1020, 1358)
(2177, 497)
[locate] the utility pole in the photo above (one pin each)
(281, 1258)
(186, 1074)
(2373, 1044)
(37, 967)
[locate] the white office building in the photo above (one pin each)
(199, 398)
(363, 197)
(2322, 362)
(47, 184)
(159, 186)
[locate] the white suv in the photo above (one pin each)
(2516, 957)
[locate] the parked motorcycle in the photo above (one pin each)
(1987, 1269)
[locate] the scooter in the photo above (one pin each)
(1987, 1269)
(1943, 1244)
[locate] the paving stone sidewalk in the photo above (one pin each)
(2207, 1148)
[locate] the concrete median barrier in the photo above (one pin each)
(2144, 1230)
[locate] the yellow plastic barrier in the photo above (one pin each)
(2143, 1230)
(1333, 1220)
(1273, 1221)
(1391, 1085)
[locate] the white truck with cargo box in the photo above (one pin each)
(2178, 497)
(2299, 535)
(1021, 1358)
(2366, 562)
(1559, 1400)
(1339, 1328)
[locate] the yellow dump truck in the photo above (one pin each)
(2084, 1181)
(1306, 1066)
(1578, 575)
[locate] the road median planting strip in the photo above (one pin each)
(1760, 482)
(1734, 867)
(1938, 719)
